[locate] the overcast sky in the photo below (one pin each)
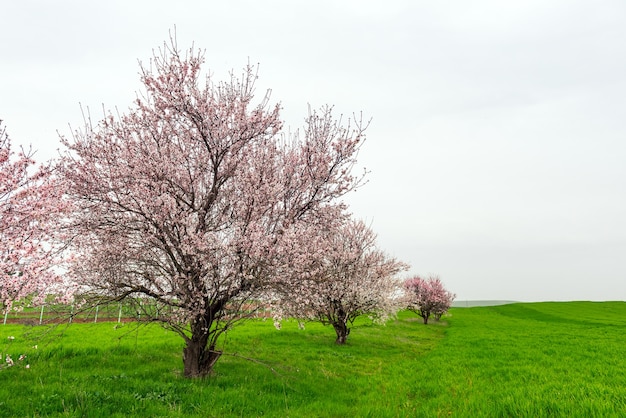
(497, 147)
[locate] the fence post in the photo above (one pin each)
(41, 315)
(96, 318)
(119, 315)
(71, 314)
(6, 313)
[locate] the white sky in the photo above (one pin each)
(497, 148)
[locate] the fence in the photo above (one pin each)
(119, 312)
(62, 313)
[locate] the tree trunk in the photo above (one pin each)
(426, 316)
(199, 353)
(342, 331)
(198, 359)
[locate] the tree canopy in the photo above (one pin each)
(30, 203)
(192, 202)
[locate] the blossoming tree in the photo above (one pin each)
(29, 206)
(428, 297)
(345, 276)
(187, 203)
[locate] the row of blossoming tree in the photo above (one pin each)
(196, 201)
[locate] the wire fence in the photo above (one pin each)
(52, 313)
(110, 312)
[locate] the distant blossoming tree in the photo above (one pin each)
(427, 297)
(189, 201)
(29, 206)
(343, 277)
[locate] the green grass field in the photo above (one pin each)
(527, 360)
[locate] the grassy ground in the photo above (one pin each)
(547, 359)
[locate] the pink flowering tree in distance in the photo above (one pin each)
(427, 297)
(342, 276)
(188, 202)
(30, 202)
